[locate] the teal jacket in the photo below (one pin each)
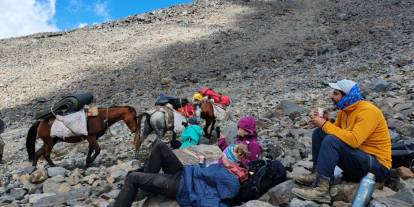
(191, 136)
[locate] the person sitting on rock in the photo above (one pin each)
(190, 185)
(190, 135)
(2, 127)
(246, 134)
(358, 142)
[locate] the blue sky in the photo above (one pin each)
(24, 17)
(73, 13)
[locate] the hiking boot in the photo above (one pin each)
(306, 180)
(319, 194)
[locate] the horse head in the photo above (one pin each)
(127, 114)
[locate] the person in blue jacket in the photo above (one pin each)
(190, 185)
(191, 133)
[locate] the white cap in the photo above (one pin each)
(343, 85)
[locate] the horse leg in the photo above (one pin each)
(38, 154)
(47, 157)
(88, 156)
(48, 150)
(174, 143)
(92, 144)
(211, 129)
(205, 129)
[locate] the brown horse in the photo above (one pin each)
(96, 125)
(207, 113)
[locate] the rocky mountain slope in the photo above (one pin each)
(273, 57)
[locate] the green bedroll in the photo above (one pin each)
(65, 106)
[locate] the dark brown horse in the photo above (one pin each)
(207, 113)
(96, 125)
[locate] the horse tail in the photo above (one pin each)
(31, 140)
(147, 124)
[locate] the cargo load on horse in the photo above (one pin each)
(67, 105)
(218, 98)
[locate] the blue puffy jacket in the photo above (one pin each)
(207, 186)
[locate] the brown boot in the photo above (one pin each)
(306, 180)
(319, 194)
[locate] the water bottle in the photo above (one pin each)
(365, 190)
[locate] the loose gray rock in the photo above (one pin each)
(407, 130)
(282, 193)
(380, 85)
(301, 203)
(53, 171)
(256, 203)
(288, 108)
(18, 193)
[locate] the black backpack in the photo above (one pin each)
(263, 175)
(402, 153)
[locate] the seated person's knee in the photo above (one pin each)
(331, 140)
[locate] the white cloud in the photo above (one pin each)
(101, 10)
(83, 24)
(25, 17)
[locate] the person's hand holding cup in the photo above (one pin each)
(318, 117)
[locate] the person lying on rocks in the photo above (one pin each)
(190, 136)
(358, 142)
(190, 185)
(246, 134)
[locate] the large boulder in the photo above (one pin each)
(280, 194)
(190, 155)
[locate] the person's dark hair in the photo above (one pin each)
(342, 93)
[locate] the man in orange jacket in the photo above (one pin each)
(358, 142)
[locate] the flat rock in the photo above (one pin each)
(190, 155)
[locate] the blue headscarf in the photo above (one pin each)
(229, 153)
(352, 97)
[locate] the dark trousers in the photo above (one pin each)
(329, 151)
(150, 180)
